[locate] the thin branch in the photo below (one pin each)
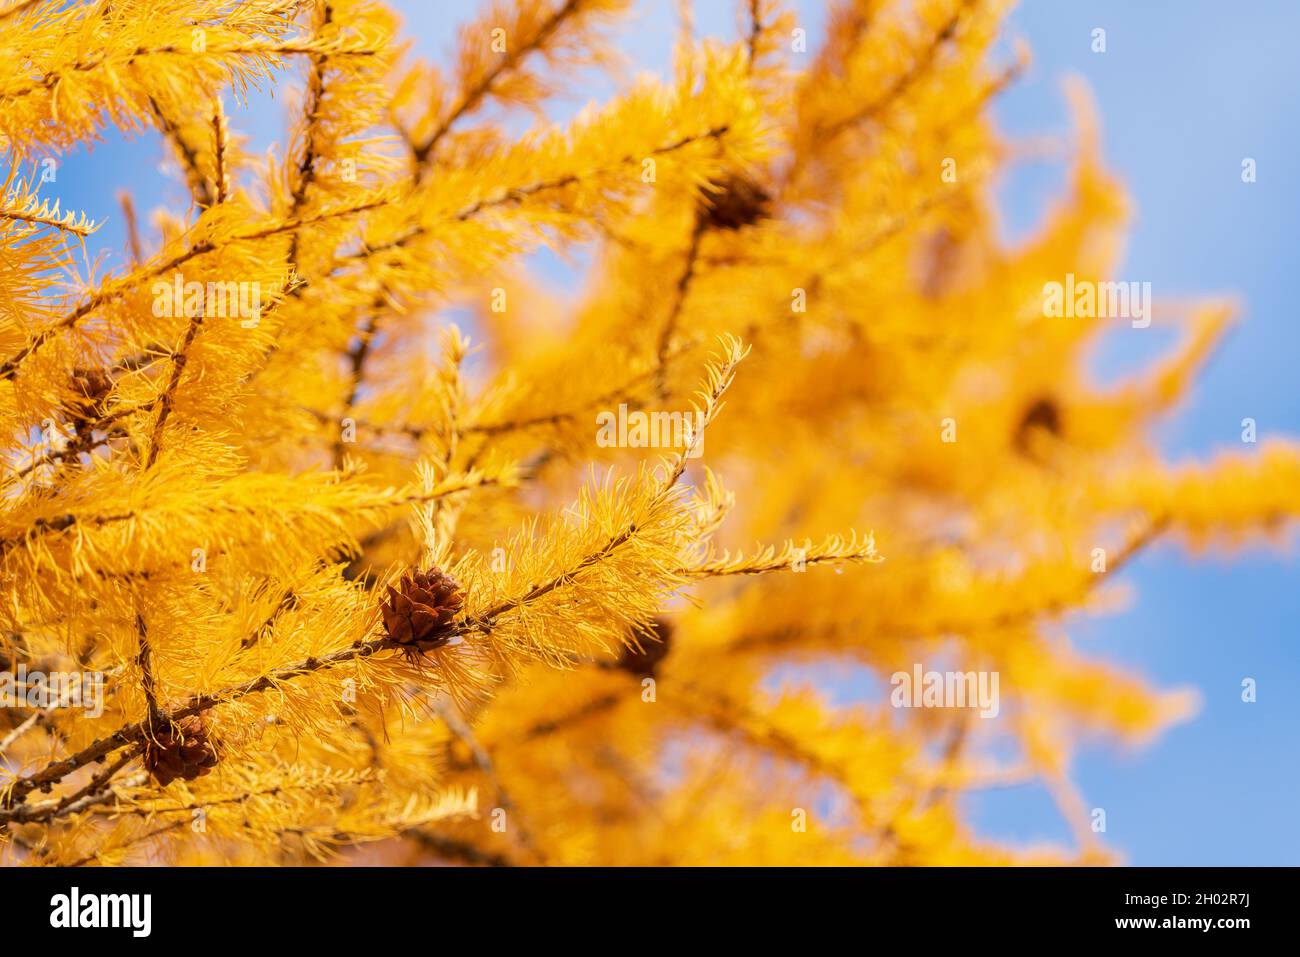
(94, 792)
(356, 357)
(306, 170)
(61, 523)
(251, 49)
(755, 31)
(905, 81)
(37, 716)
(132, 228)
(144, 658)
(723, 377)
(620, 392)
(9, 367)
(219, 144)
(166, 399)
(483, 761)
(589, 710)
(679, 302)
(447, 847)
(136, 732)
(137, 839)
(187, 153)
(1058, 605)
(471, 99)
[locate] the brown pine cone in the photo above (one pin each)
(735, 202)
(180, 750)
(92, 387)
(654, 649)
(1043, 416)
(420, 609)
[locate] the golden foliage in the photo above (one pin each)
(218, 458)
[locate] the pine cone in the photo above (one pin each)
(92, 387)
(181, 750)
(1044, 415)
(419, 610)
(644, 662)
(734, 203)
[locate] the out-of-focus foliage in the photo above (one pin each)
(206, 497)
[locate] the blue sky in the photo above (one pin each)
(1186, 90)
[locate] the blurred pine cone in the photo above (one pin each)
(654, 649)
(92, 387)
(180, 750)
(1044, 416)
(420, 609)
(735, 202)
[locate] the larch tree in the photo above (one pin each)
(292, 564)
